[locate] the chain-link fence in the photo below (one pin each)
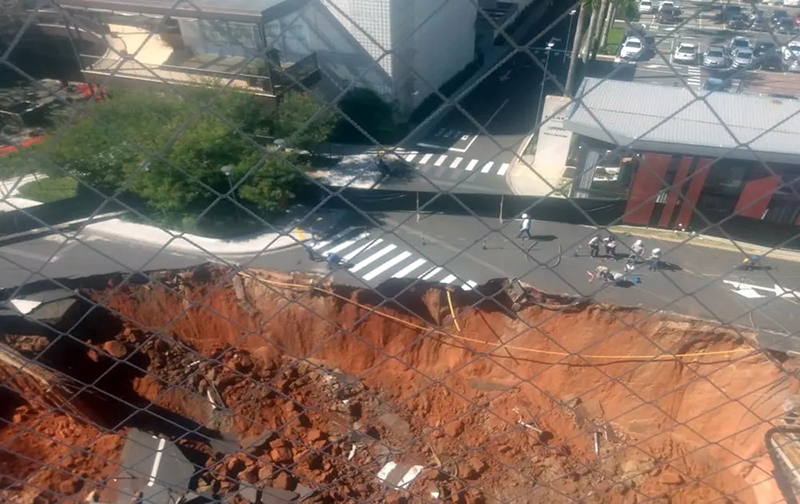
(399, 251)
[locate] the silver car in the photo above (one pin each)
(715, 57)
(685, 53)
(743, 59)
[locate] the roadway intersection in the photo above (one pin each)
(462, 252)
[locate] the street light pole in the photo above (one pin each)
(569, 33)
(544, 78)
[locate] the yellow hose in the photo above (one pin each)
(509, 347)
(452, 311)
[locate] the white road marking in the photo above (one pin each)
(487, 167)
(348, 243)
(503, 169)
(471, 165)
(408, 269)
(335, 237)
(374, 257)
(388, 264)
(456, 162)
(430, 273)
(465, 137)
(362, 248)
(447, 279)
(440, 160)
(425, 158)
(157, 462)
(411, 156)
(469, 285)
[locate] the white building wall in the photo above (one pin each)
(369, 22)
(443, 44)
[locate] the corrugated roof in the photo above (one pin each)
(673, 119)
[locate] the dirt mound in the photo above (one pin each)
(323, 388)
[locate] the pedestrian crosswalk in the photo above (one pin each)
(375, 259)
(429, 160)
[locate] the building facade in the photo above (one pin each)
(686, 160)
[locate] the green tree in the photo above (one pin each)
(292, 118)
(272, 182)
(170, 150)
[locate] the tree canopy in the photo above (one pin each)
(172, 151)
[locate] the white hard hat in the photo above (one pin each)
(524, 216)
(637, 242)
(656, 250)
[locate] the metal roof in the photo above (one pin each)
(229, 10)
(674, 119)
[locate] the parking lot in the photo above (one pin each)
(700, 23)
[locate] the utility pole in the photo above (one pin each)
(569, 32)
(544, 78)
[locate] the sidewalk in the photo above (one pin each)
(9, 189)
(176, 241)
(542, 173)
(714, 242)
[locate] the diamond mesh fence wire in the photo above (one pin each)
(399, 251)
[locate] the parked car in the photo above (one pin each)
(785, 25)
(671, 5)
(737, 23)
(729, 10)
(777, 16)
(791, 51)
(771, 61)
(632, 49)
(764, 47)
(743, 59)
(666, 15)
(717, 84)
(759, 24)
(646, 7)
(685, 53)
(715, 57)
(737, 43)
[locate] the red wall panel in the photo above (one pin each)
(676, 191)
(648, 181)
(756, 193)
(693, 193)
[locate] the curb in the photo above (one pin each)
(31, 234)
(184, 242)
(706, 241)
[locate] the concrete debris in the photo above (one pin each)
(399, 475)
(352, 453)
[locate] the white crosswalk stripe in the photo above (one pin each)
(425, 158)
(374, 257)
(448, 279)
(391, 263)
(348, 243)
(336, 237)
(430, 273)
(411, 156)
(487, 167)
(456, 162)
(440, 160)
(362, 248)
(503, 169)
(408, 269)
(469, 285)
(471, 165)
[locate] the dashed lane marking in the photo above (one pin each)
(456, 162)
(503, 169)
(472, 164)
(440, 160)
(487, 167)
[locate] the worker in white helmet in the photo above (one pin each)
(525, 228)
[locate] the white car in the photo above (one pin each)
(646, 7)
(685, 53)
(791, 51)
(632, 49)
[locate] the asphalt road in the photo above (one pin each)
(464, 251)
(700, 25)
(453, 153)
